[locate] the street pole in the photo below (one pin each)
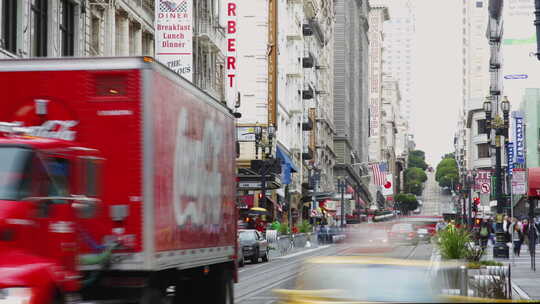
(500, 249)
(342, 202)
(469, 209)
(537, 25)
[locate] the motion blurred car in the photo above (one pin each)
(423, 234)
(254, 245)
(403, 233)
(378, 237)
(357, 279)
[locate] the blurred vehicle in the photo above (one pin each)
(384, 215)
(254, 245)
(423, 234)
(356, 279)
(361, 279)
(403, 233)
(240, 253)
(378, 237)
(423, 221)
(329, 235)
(100, 165)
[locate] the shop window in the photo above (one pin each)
(9, 26)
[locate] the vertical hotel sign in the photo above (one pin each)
(520, 145)
(232, 22)
(272, 62)
(174, 35)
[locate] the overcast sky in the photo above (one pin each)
(437, 76)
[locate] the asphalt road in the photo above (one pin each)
(257, 281)
(434, 202)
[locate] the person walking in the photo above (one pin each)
(506, 227)
(517, 236)
(484, 233)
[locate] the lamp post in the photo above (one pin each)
(501, 129)
(342, 181)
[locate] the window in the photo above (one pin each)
(9, 26)
(483, 150)
(67, 27)
(479, 4)
(39, 12)
(95, 34)
(482, 126)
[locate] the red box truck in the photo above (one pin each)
(117, 181)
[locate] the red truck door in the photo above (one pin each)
(57, 233)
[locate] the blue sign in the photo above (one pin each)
(510, 157)
(518, 76)
(520, 145)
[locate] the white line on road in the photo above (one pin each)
(302, 252)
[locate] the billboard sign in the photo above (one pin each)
(174, 35)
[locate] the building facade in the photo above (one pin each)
(350, 96)
(399, 49)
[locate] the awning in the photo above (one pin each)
(534, 182)
(287, 165)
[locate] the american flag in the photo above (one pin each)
(379, 173)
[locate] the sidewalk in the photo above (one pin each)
(525, 282)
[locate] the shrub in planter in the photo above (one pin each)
(284, 229)
(305, 227)
(453, 243)
(474, 253)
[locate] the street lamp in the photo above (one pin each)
(342, 183)
(500, 249)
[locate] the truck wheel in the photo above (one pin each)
(242, 263)
(224, 287)
(153, 295)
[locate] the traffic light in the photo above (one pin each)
(477, 201)
(477, 221)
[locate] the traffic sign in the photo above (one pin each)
(346, 196)
(485, 188)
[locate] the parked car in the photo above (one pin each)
(240, 254)
(254, 245)
(403, 233)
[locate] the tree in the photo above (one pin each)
(447, 172)
(414, 180)
(417, 159)
(406, 202)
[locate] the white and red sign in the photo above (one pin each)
(174, 35)
(231, 30)
(485, 188)
(483, 177)
(519, 181)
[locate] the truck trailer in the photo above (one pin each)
(117, 182)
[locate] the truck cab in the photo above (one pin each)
(46, 187)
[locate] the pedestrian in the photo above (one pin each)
(484, 233)
(517, 236)
(441, 224)
(506, 225)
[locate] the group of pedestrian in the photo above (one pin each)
(520, 231)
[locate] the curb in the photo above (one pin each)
(520, 292)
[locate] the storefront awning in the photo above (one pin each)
(534, 182)
(285, 158)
